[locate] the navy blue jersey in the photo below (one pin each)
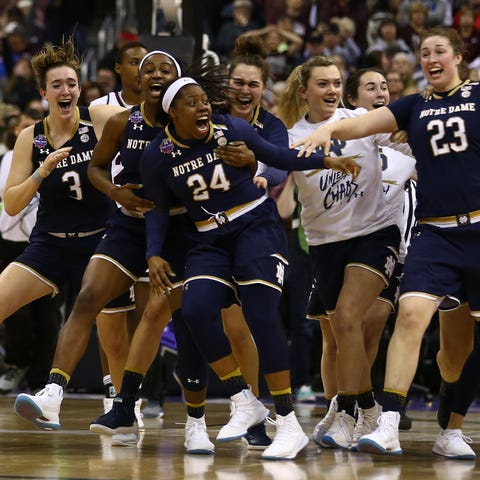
(201, 181)
(274, 131)
(139, 132)
(68, 201)
(444, 134)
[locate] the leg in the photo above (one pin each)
(243, 346)
(413, 318)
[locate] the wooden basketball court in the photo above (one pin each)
(75, 453)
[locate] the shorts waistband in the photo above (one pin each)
(459, 220)
(76, 234)
(219, 219)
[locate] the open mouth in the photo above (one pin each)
(65, 106)
(155, 89)
(435, 72)
(203, 124)
(379, 104)
(330, 101)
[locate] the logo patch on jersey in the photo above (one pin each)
(136, 118)
(40, 141)
(220, 137)
(84, 138)
(166, 146)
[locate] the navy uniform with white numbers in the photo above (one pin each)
(71, 214)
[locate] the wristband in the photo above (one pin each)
(36, 176)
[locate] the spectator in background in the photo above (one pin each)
(347, 33)
(380, 11)
(388, 38)
(468, 33)
(21, 86)
(417, 24)
(439, 12)
(91, 90)
(313, 47)
(396, 85)
(15, 45)
(107, 79)
(241, 22)
(404, 65)
(355, 9)
(282, 46)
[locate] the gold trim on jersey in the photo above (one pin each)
(144, 115)
(459, 220)
(231, 214)
(454, 90)
(75, 128)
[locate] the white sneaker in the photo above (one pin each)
(42, 409)
(305, 394)
(385, 439)
(246, 410)
(366, 423)
(139, 415)
(340, 434)
(284, 471)
(324, 425)
(288, 440)
(452, 443)
(130, 439)
(196, 437)
(107, 404)
(10, 380)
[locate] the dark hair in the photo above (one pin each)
(353, 84)
(450, 34)
(127, 46)
(213, 80)
(250, 50)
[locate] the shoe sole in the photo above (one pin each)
(369, 446)
(125, 440)
(290, 456)
(255, 447)
(467, 456)
(104, 430)
(331, 443)
(26, 408)
(200, 451)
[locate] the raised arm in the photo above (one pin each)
(23, 183)
(380, 120)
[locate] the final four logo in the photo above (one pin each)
(40, 141)
(166, 146)
(136, 118)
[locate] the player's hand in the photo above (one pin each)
(160, 273)
(126, 197)
(237, 154)
(320, 137)
(347, 165)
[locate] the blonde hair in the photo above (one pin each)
(292, 107)
(51, 56)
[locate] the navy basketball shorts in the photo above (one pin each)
(124, 244)
(444, 263)
(61, 262)
(250, 249)
(377, 252)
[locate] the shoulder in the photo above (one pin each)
(101, 100)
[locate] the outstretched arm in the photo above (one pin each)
(380, 120)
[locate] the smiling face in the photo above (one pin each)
(323, 92)
(157, 70)
(61, 90)
(191, 113)
(372, 91)
(440, 62)
(247, 88)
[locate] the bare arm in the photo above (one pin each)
(380, 120)
(104, 153)
(23, 183)
(100, 115)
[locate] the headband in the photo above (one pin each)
(161, 52)
(173, 89)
